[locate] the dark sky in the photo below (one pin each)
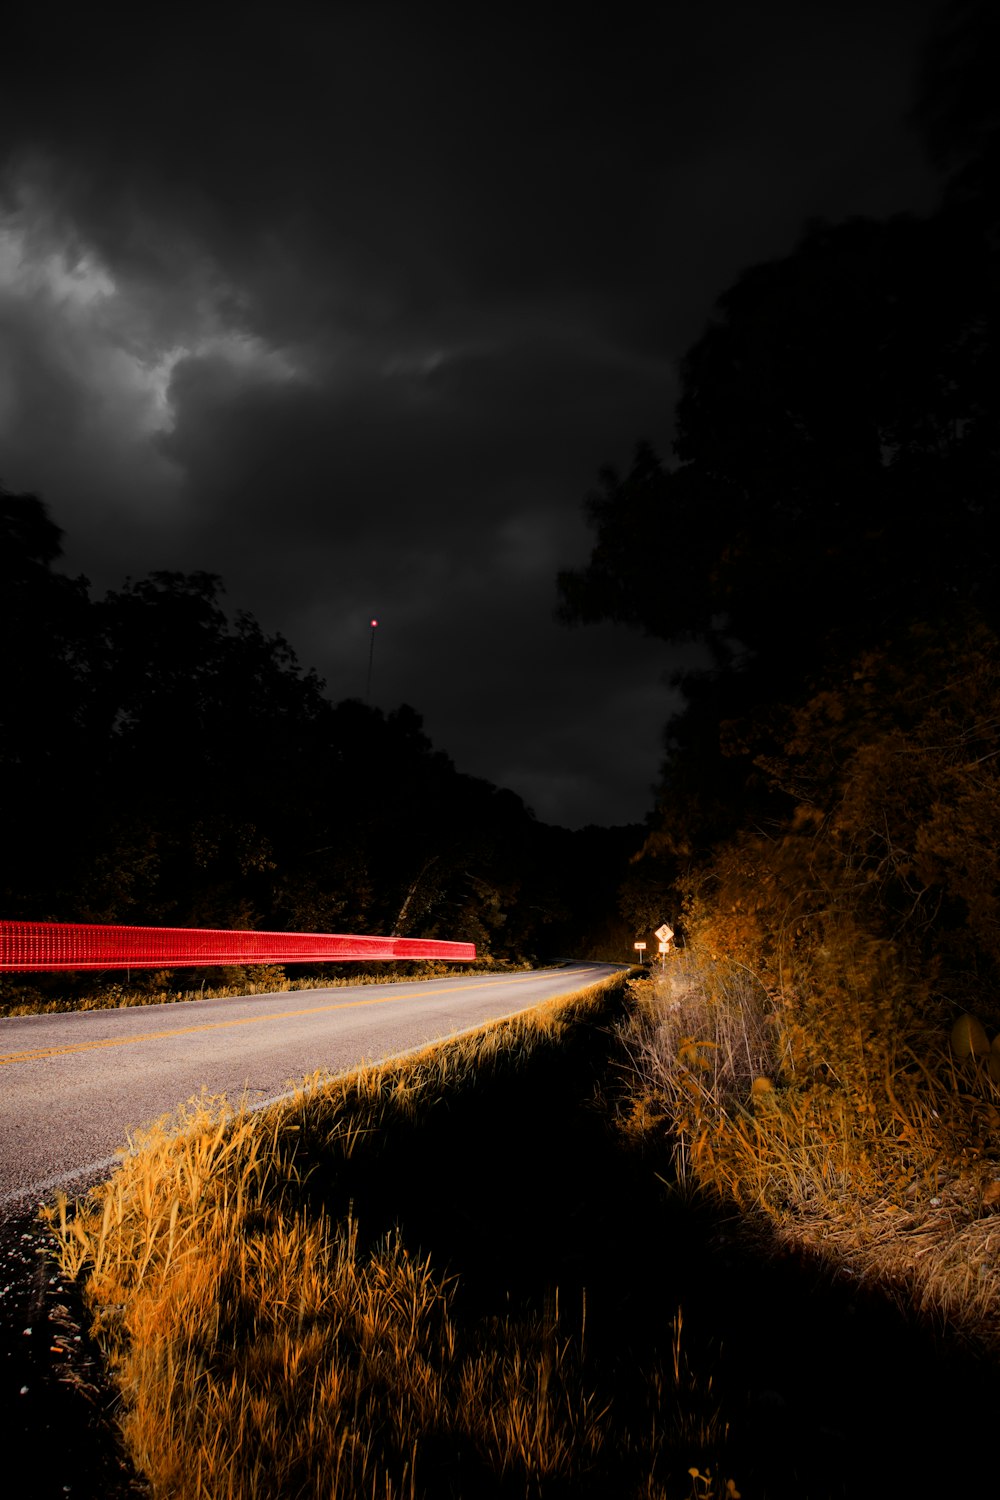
(348, 303)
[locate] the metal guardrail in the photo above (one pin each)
(34, 946)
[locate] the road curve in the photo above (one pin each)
(74, 1085)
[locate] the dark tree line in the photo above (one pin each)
(164, 764)
(833, 508)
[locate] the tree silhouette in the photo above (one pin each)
(164, 763)
(45, 746)
(832, 513)
(838, 447)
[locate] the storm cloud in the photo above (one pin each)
(349, 304)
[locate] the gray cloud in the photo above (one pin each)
(349, 304)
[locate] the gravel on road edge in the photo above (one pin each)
(57, 1403)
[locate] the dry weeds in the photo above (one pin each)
(887, 1165)
(265, 1348)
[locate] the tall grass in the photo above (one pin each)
(272, 1333)
(844, 1121)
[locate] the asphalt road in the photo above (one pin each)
(73, 1086)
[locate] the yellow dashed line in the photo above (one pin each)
(37, 1054)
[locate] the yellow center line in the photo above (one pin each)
(37, 1054)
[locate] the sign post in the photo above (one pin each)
(665, 935)
(641, 948)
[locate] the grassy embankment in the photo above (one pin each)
(840, 1116)
(464, 1274)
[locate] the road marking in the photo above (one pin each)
(39, 1054)
(36, 1191)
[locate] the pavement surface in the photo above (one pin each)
(75, 1086)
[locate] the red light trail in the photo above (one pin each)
(32, 946)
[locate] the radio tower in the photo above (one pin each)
(371, 657)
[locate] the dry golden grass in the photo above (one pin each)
(885, 1159)
(266, 1346)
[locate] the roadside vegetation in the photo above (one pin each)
(402, 1282)
(581, 1252)
(863, 1136)
(826, 841)
(822, 1047)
